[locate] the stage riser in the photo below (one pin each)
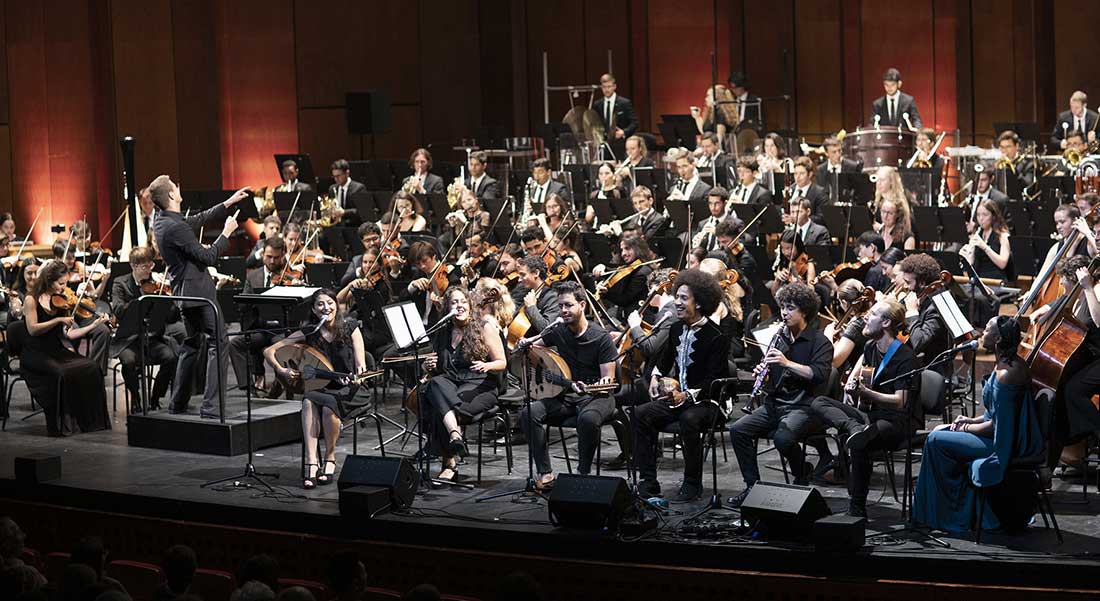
(210, 437)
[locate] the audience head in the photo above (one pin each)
(261, 568)
(179, 567)
(347, 576)
(422, 592)
(12, 539)
(253, 590)
(519, 586)
(295, 593)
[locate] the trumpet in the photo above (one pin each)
(677, 193)
(1007, 163)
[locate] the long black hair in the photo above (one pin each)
(343, 325)
(1008, 340)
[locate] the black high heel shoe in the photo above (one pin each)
(457, 447)
(309, 475)
(326, 476)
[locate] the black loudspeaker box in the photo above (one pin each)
(393, 473)
(783, 510)
(368, 112)
(840, 533)
(37, 467)
(588, 502)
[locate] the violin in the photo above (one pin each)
(16, 261)
(624, 272)
(68, 302)
(800, 266)
(290, 276)
(509, 280)
(936, 286)
(440, 281)
(154, 287)
(856, 266)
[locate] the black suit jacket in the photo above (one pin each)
(433, 184)
(700, 191)
(652, 226)
(488, 188)
(556, 187)
(184, 257)
(124, 291)
(929, 336)
(709, 357)
(906, 104)
(545, 310)
(994, 194)
(818, 235)
(1066, 117)
(818, 197)
(821, 175)
(354, 187)
(625, 118)
(760, 195)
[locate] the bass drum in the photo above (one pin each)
(1089, 167)
(745, 139)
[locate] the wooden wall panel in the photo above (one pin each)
(898, 34)
(604, 24)
(324, 136)
(497, 63)
(556, 27)
(258, 108)
(994, 78)
(770, 53)
(145, 85)
(398, 143)
(6, 201)
(818, 67)
(450, 75)
(944, 24)
(30, 122)
(1076, 67)
(197, 95)
(3, 65)
(330, 50)
(393, 49)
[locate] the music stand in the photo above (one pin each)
(1027, 130)
(920, 182)
(683, 129)
(155, 316)
(1057, 187)
(436, 205)
(284, 201)
(602, 208)
(596, 248)
(364, 205)
(855, 188)
(769, 223)
(669, 248)
(851, 218)
(622, 207)
(305, 166)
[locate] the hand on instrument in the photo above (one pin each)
(1092, 135)
(1063, 144)
(479, 367)
(421, 284)
(783, 275)
(601, 289)
(653, 389)
(978, 242)
(530, 299)
(1083, 226)
(599, 270)
(634, 320)
(430, 363)
(238, 196)
(288, 374)
(1084, 277)
(775, 356)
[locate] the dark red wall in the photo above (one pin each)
(211, 89)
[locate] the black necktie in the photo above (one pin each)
(683, 186)
(341, 197)
(267, 280)
(892, 111)
(607, 112)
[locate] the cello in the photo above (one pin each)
(1055, 350)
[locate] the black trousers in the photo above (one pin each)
(247, 352)
(695, 419)
(591, 413)
(157, 352)
(1074, 413)
(846, 419)
(791, 424)
(202, 329)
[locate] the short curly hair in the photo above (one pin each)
(801, 296)
(923, 267)
(704, 289)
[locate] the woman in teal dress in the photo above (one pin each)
(975, 451)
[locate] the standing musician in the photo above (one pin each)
(879, 419)
(469, 358)
(273, 226)
(805, 188)
(334, 335)
(748, 105)
(540, 303)
(721, 119)
(542, 186)
(797, 364)
(1078, 118)
(616, 112)
(364, 296)
(251, 348)
(480, 183)
(748, 191)
(697, 354)
(426, 293)
(630, 290)
(186, 261)
(711, 159)
(342, 189)
(1024, 170)
(590, 354)
(928, 334)
(984, 190)
(690, 186)
(290, 179)
(159, 350)
(792, 262)
(891, 110)
(422, 181)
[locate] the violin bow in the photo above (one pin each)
(394, 233)
(443, 260)
(684, 249)
(29, 232)
(496, 269)
(99, 255)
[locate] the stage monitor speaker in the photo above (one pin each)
(588, 502)
(368, 112)
(37, 467)
(394, 473)
(783, 510)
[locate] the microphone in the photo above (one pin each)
(526, 342)
(966, 346)
(320, 324)
(442, 320)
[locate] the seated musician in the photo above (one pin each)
(69, 387)
(543, 185)
(80, 237)
(984, 190)
(371, 237)
(772, 159)
(533, 240)
(696, 354)
(608, 186)
(792, 262)
(880, 419)
(295, 244)
(628, 291)
(428, 295)
(78, 271)
(477, 260)
(650, 223)
(690, 186)
(364, 296)
(808, 230)
(333, 334)
(589, 353)
(1066, 220)
(806, 189)
(988, 249)
(834, 163)
(508, 271)
(24, 281)
(1075, 141)
(480, 183)
(409, 213)
(246, 352)
(974, 452)
(848, 342)
(748, 191)
(726, 235)
(290, 178)
(928, 334)
(1011, 158)
(422, 181)
(711, 159)
(797, 364)
(469, 353)
(469, 215)
(926, 141)
(637, 157)
(720, 120)
(553, 217)
(702, 236)
(7, 226)
(9, 271)
(896, 108)
(541, 302)
(564, 245)
(870, 246)
(159, 350)
(1085, 203)
(273, 226)
(98, 339)
(394, 263)
(895, 224)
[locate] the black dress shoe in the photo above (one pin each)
(736, 501)
(687, 493)
(857, 441)
(649, 488)
(823, 468)
(857, 509)
(803, 479)
(177, 410)
(618, 463)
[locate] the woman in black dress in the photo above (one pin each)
(337, 337)
(68, 386)
(469, 355)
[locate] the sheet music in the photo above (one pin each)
(298, 292)
(953, 316)
(404, 322)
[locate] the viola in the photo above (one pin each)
(846, 270)
(290, 276)
(509, 280)
(153, 287)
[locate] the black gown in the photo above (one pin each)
(54, 373)
(456, 387)
(336, 397)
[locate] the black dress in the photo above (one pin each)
(336, 397)
(456, 387)
(67, 385)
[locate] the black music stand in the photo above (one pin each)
(670, 248)
(155, 317)
(284, 201)
(305, 166)
(364, 206)
(855, 188)
(437, 205)
(1027, 130)
(602, 208)
(769, 223)
(596, 248)
(679, 130)
(1059, 188)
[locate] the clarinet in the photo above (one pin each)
(758, 385)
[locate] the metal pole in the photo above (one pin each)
(545, 89)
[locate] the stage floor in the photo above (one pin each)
(100, 472)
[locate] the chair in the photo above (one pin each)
(320, 591)
(32, 558)
(213, 585)
(933, 392)
(718, 388)
(571, 422)
(374, 593)
(828, 388)
(140, 579)
(498, 413)
(1034, 465)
